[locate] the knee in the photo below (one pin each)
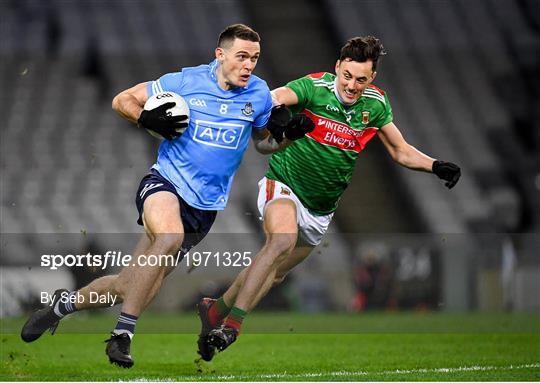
(278, 248)
(119, 286)
(281, 244)
(168, 243)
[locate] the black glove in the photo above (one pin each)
(279, 119)
(298, 127)
(283, 124)
(447, 171)
(161, 122)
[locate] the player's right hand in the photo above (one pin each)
(159, 121)
(299, 126)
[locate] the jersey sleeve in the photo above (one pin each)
(385, 115)
(262, 119)
(168, 82)
(304, 89)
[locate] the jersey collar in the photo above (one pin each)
(212, 70)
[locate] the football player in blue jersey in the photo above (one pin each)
(191, 179)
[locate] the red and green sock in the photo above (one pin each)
(235, 318)
(218, 311)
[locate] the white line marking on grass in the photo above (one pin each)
(285, 375)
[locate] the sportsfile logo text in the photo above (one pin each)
(109, 259)
(118, 259)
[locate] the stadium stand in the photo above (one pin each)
(67, 61)
(484, 54)
(463, 79)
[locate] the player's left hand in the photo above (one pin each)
(447, 171)
(299, 126)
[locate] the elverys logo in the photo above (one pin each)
(337, 134)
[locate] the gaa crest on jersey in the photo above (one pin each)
(365, 117)
(285, 191)
(247, 110)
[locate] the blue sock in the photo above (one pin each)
(126, 324)
(64, 305)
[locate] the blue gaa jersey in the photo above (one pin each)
(201, 163)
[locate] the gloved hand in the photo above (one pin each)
(298, 127)
(283, 124)
(279, 119)
(161, 122)
(447, 171)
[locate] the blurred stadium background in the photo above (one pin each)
(464, 82)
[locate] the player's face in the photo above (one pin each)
(353, 77)
(237, 62)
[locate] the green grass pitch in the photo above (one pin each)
(289, 347)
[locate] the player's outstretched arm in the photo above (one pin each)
(264, 140)
(284, 96)
(130, 102)
(412, 158)
(401, 152)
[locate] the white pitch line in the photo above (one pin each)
(285, 375)
(388, 372)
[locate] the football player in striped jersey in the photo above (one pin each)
(304, 182)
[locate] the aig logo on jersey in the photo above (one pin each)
(218, 134)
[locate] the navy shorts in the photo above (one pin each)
(197, 222)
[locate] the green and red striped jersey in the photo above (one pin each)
(319, 167)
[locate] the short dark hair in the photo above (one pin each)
(237, 31)
(362, 49)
